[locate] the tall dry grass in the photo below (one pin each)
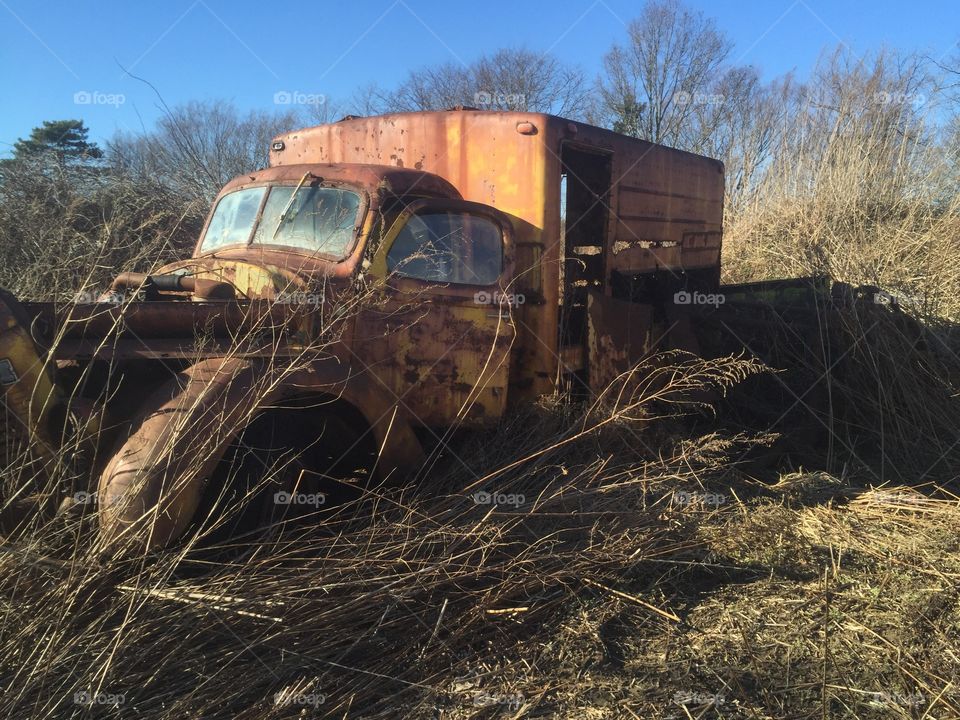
(861, 185)
(67, 226)
(375, 612)
(629, 562)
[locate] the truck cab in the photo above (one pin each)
(424, 270)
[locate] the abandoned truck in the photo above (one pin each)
(385, 279)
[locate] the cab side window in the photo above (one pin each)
(448, 247)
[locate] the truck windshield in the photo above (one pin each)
(321, 220)
(233, 219)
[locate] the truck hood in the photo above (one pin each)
(264, 275)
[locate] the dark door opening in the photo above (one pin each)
(584, 212)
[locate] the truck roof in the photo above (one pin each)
(312, 142)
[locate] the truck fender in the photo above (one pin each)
(152, 485)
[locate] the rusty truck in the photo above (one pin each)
(383, 280)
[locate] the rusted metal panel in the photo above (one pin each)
(151, 487)
(28, 388)
(620, 335)
(488, 161)
(641, 256)
(447, 358)
(394, 180)
(373, 182)
(445, 348)
(158, 319)
(164, 349)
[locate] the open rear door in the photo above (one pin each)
(620, 334)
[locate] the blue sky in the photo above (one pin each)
(248, 51)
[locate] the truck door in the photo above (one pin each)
(439, 329)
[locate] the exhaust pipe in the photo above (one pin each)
(198, 287)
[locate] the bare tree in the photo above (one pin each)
(431, 88)
(508, 79)
(856, 184)
(741, 121)
(861, 133)
(651, 86)
(197, 147)
(368, 99)
(949, 95)
(523, 80)
(321, 112)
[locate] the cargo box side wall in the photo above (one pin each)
(665, 214)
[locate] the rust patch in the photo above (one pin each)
(619, 336)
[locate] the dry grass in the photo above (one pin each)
(63, 229)
(643, 573)
(860, 184)
(379, 609)
(648, 571)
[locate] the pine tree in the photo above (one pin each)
(67, 139)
